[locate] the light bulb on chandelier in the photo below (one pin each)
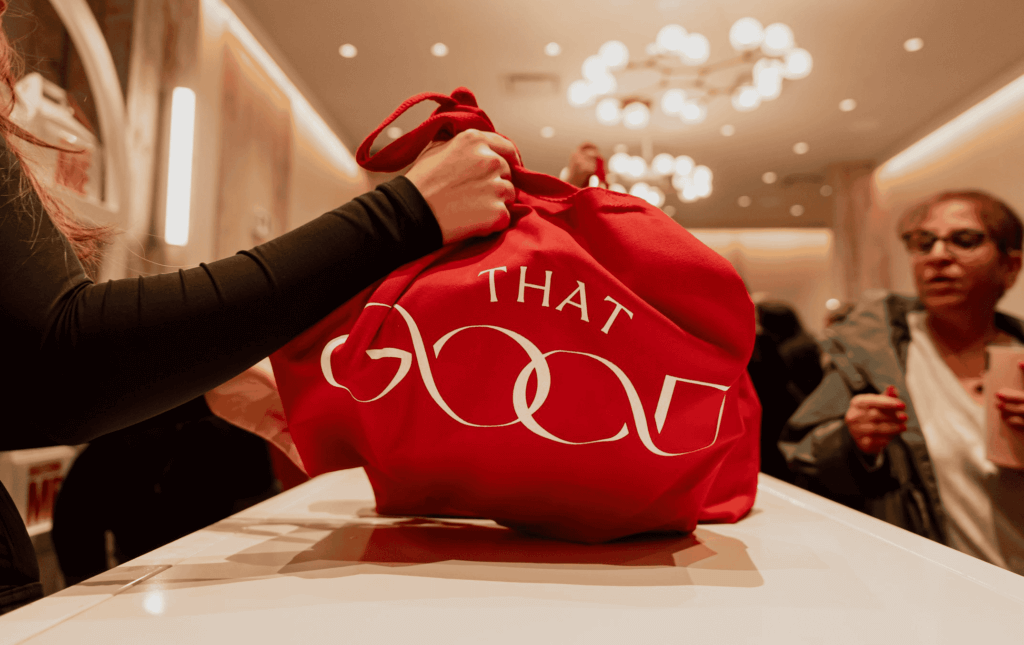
(693, 112)
(614, 55)
(696, 49)
(778, 39)
(671, 39)
(768, 78)
(746, 98)
(746, 34)
(672, 101)
(664, 164)
(636, 116)
(650, 181)
(609, 111)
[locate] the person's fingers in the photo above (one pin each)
(502, 221)
(502, 146)
(877, 415)
(1010, 395)
(886, 428)
(1015, 422)
(878, 401)
(1009, 407)
(507, 192)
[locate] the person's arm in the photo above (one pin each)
(84, 358)
(819, 449)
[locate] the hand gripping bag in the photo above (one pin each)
(580, 375)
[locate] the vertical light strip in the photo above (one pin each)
(179, 166)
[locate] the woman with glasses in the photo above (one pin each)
(897, 427)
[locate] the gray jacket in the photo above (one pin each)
(865, 353)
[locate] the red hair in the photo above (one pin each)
(85, 240)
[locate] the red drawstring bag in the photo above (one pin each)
(580, 375)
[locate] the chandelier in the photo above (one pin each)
(765, 56)
(648, 181)
(651, 180)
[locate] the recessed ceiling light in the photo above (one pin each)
(913, 45)
(394, 132)
(743, 201)
(832, 304)
(552, 49)
(727, 130)
(348, 50)
(796, 210)
(801, 148)
(439, 49)
(826, 190)
(547, 132)
(848, 105)
(769, 177)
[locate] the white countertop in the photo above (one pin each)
(316, 565)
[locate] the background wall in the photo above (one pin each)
(318, 172)
(793, 265)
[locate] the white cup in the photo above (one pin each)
(1005, 445)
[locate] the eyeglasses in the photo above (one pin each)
(964, 240)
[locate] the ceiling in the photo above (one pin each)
(857, 47)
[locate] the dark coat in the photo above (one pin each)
(865, 353)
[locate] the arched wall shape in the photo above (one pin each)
(99, 67)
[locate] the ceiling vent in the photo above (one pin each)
(532, 84)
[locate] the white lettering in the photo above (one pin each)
(490, 277)
(404, 357)
(665, 399)
(546, 288)
(537, 364)
(611, 319)
(582, 304)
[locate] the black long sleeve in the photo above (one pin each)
(83, 359)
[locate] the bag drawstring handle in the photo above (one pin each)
(455, 114)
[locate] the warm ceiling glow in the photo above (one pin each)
(801, 148)
(913, 45)
(796, 210)
(348, 50)
(769, 177)
(997, 108)
(826, 190)
(552, 49)
(727, 130)
(439, 49)
(848, 105)
(547, 132)
(394, 132)
(832, 304)
(743, 201)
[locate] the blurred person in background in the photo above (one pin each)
(582, 165)
(785, 368)
(88, 359)
(897, 427)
